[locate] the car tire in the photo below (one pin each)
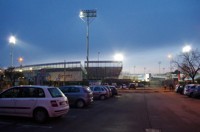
(102, 97)
(40, 115)
(80, 103)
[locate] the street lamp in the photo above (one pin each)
(159, 62)
(87, 16)
(20, 60)
(170, 62)
(12, 41)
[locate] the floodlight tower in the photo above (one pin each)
(12, 41)
(87, 16)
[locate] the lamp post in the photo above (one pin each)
(12, 41)
(20, 60)
(170, 62)
(134, 69)
(159, 66)
(87, 16)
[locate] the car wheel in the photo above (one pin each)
(40, 115)
(102, 97)
(80, 104)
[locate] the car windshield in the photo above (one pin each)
(55, 92)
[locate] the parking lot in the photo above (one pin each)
(151, 110)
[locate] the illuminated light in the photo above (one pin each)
(186, 49)
(12, 40)
(87, 13)
(20, 59)
(169, 56)
(118, 57)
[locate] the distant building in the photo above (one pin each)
(70, 71)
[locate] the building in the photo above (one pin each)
(70, 71)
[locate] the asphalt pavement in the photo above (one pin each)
(140, 110)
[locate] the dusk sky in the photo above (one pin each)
(144, 31)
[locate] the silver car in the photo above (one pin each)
(78, 96)
(99, 92)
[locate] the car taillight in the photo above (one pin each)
(54, 103)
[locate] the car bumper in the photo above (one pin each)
(59, 112)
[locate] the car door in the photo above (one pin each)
(97, 91)
(7, 103)
(25, 102)
(73, 94)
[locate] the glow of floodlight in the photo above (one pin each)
(118, 57)
(12, 40)
(186, 49)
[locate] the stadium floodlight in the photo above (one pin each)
(12, 41)
(87, 16)
(186, 49)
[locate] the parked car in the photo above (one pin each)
(176, 88)
(99, 92)
(196, 93)
(78, 96)
(39, 102)
(114, 90)
(140, 85)
(189, 89)
(123, 86)
(108, 89)
(132, 85)
(179, 89)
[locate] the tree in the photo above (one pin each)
(12, 75)
(188, 63)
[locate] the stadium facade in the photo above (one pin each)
(71, 71)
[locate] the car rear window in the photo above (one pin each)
(55, 92)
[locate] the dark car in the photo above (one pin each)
(132, 85)
(78, 96)
(114, 90)
(196, 93)
(180, 89)
(188, 89)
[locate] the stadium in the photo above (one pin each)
(66, 72)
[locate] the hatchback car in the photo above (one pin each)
(78, 96)
(189, 89)
(39, 102)
(196, 93)
(99, 92)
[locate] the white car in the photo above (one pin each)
(39, 102)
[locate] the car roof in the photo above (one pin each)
(34, 86)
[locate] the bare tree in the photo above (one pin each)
(188, 63)
(12, 75)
